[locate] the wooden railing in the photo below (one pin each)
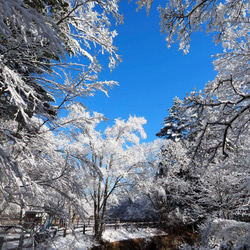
(19, 233)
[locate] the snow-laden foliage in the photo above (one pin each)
(49, 54)
(179, 19)
(107, 161)
(168, 184)
(39, 44)
(220, 111)
(225, 191)
(174, 124)
(35, 38)
(222, 107)
(134, 203)
(223, 234)
(170, 188)
(51, 186)
(216, 119)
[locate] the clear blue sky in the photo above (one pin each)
(151, 75)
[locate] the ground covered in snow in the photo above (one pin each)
(84, 242)
(131, 233)
(214, 234)
(71, 242)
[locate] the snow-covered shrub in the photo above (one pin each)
(223, 234)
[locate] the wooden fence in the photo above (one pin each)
(18, 233)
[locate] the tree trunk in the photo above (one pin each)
(97, 223)
(97, 208)
(104, 207)
(96, 218)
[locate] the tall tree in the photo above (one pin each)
(41, 44)
(174, 124)
(108, 160)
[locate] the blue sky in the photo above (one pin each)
(151, 75)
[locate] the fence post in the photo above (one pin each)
(65, 232)
(84, 229)
(1, 242)
(20, 245)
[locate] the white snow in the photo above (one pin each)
(120, 234)
(84, 242)
(72, 242)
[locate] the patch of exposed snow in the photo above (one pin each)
(120, 234)
(72, 242)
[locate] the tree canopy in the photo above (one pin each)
(39, 43)
(221, 109)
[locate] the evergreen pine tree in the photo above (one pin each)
(174, 124)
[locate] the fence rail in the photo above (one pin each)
(17, 233)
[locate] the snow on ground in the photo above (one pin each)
(112, 235)
(72, 242)
(79, 241)
(84, 242)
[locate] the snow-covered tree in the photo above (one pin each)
(222, 234)
(174, 125)
(218, 116)
(180, 182)
(50, 186)
(223, 106)
(171, 186)
(40, 43)
(225, 184)
(225, 191)
(108, 160)
(48, 57)
(36, 36)
(136, 204)
(179, 19)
